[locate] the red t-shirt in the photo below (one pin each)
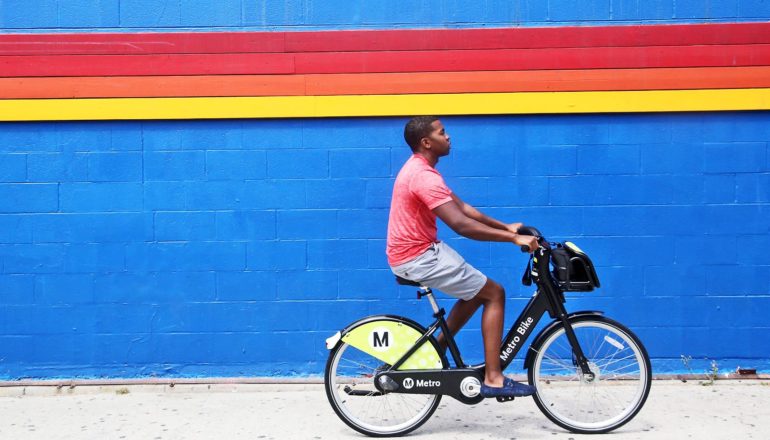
(412, 225)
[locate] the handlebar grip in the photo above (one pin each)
(525, 248)
(529, 230)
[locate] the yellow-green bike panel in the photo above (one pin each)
(388, 341)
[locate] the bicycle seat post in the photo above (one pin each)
(425, 291)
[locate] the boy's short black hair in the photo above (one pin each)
(417, 128)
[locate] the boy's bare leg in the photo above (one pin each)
(460, 314)
(492, 297)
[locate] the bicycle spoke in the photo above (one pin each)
(352, 363)
(555, 361)
(371, 411)
(604, 366)
(590, 404)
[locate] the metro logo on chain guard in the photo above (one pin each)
(389, 340)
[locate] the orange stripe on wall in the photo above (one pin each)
(389, 83)
(537, 81)
(152, 86)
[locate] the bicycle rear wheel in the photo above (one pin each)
(349, 383)
(581, 404)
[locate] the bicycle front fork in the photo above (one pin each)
(579, 359)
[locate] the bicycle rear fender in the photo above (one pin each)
(555, 323)
(388, 338)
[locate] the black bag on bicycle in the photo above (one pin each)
(572, 269)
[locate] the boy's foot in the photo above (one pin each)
(510, 388)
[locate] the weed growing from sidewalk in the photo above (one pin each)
(711, 374)
(686, 362)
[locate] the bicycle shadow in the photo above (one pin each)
(520, 419)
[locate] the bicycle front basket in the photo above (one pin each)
(572, 269)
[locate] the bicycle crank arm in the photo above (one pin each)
(463, 384)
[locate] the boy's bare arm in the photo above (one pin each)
(457, 219)
(477, 215)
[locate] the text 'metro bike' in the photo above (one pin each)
(386, 374)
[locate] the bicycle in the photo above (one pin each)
(386, 374)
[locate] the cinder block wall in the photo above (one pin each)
(234, 248)
(32, 15)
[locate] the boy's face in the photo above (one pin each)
(440, 142)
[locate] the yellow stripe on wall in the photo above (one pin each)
(384, 105)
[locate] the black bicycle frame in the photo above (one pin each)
(548, 298)
(439, 323)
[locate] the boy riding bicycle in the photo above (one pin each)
(414, 252)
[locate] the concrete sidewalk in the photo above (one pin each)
(730, 409)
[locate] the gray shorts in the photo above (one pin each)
(440, 267)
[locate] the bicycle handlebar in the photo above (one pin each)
(529, 230)
(533, 231)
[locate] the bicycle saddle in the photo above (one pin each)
(405, 282)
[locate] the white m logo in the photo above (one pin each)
(408, 383)
(380, 339)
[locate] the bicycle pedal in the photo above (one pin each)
(502, 399)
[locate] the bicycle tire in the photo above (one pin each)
(374, 414)
(578, 403)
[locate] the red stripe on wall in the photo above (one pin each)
(144, 43)
(130, 65)
(530, 38)
(384, 40)
(532, 59)
(373, 62)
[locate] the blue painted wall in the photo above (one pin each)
(234, 248)
(112, 15)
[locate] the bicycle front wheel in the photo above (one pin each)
(349, 383)
(597, 403)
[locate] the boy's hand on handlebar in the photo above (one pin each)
(514, 227)
(527, 240)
